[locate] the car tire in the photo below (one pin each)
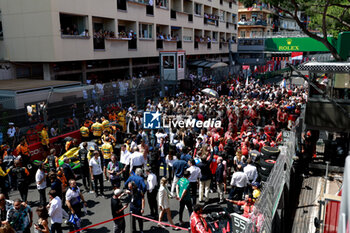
(264, 171)
(268, 152)
(267, 163)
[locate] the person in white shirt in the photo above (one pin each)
(160, 134)
(193, 179)
(152, 190)
(96, 172)
(40, 179)
(251, 171)
(73, 198)
(239, 182)
(11, 134)
(136, 160)
(163, 202)
(125, 160)
(55, 212)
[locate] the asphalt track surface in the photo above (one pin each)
(99, 210)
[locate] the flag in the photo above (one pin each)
(247, 81)
(297, 55)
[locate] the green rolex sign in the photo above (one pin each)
(296, 44)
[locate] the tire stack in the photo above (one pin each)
(267, 160)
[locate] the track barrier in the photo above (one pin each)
(131, 215)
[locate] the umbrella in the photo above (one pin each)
(210, 92)
(219, 64)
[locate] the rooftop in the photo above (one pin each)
(32, 84)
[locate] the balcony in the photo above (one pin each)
(74, 27)
(256, 7)
(243, 23)
(211, 20)
(126, 32)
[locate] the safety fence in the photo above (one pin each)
(57, 105)
(278, 182)
(131, 222)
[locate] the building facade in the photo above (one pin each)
(256, 21)
(111, 39)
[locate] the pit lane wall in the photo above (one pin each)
(270, 209)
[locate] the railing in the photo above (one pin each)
(257, 7)
(279, 178)
(146, 2)
(281, 34)
(253, 23)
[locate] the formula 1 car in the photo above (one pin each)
(217, 218)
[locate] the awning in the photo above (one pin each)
(73, 89)
(219, 64)
(207, 64)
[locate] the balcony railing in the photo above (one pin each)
(257, 7)
(253, 22)
(146, 2)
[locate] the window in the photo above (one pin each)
(145, 31)
(198, 9)
(243, 18)
(181, 61)
(168, 62)
(222, 16)
(149, 10)
(215, 36)
(1, 32)
(243, 34)
(121, 5)
(162, 3)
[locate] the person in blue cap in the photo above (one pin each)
(256, 190)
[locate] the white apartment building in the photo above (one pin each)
(109, 39)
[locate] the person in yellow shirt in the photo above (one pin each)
(96, 129)
(85, 133)
(256, 190)
(107, 150)
(105, 124)
(110, 137)
(121, 119)
(45, 141)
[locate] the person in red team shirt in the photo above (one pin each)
(282, 118)
(198, 223)
(270, 130)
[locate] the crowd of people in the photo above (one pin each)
(184, 163)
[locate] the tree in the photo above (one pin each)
(327, 17)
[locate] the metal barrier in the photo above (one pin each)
(57, 103)
(278, 180)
